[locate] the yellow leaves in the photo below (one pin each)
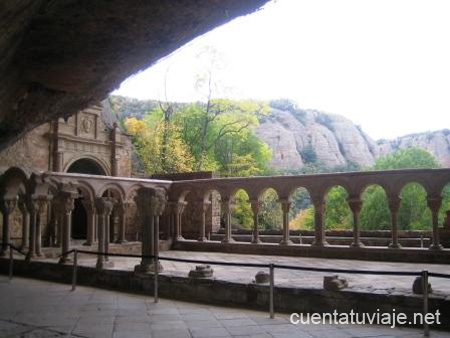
(135, 127)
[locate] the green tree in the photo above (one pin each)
(337, 213)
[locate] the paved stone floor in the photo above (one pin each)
(307, 279)
(38, 309)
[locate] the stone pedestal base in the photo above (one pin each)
(104, 264)
(148, 268)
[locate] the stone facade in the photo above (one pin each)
(91, 135)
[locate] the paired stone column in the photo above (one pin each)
(150, 203)
(41, 203)
(355, 205)
(8, 205)
(256, 206)
(319, 227)
(285, 207)
(227, 208)
(65, 200)
(89, 206)
(178, 212)
(25, 223)
(394, 205)
(121, 210)
(202, 233)
(434, 203)
(103, 207)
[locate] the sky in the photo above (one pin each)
(384, 64)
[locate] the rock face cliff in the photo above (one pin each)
(437, 143)
(298, 137)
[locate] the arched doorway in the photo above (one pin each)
(80, 214)
(86, 166)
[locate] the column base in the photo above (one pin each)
(357, 244)
(87, 243)
(319, 244)
(202, 239)
(228, 240)
(65, 260)
(436, 247)
(284, 242)
(395, 246)
(256, 241)
(180, 238)
(121, 241)
(148, 268)
(104, 264)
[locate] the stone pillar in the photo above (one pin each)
(227, 208)
(285, 207)
(122, 212)
(150, 203)
(25, 224)
(178, 211)
(394, 204)
(202, 233)
(66, 201)
(355, 205)
(256, 206)
(103, 208)
(7, 208)
(90, 218)
(319, 227)
(434, 203)
(41, 203)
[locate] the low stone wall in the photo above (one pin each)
(330, 251)
(212, 291)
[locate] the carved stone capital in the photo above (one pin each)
(9, 204)
(285, 205)
(255, 205)
(66, 200)
(434, 202)
(394, 203)
(151, 201)
(355, 204)
(103, 206)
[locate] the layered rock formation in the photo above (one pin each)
(299, 136)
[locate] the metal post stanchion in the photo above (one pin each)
(155, 274)
(11, 262)
(74, 271)
(272, 279)
(426, 329)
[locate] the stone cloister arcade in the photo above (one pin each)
(46, 201)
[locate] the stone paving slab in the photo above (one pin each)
(289, 278)
(38, 309)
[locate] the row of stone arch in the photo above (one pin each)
(433, 182)
(47, 202)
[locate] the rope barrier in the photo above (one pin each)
(260, 265)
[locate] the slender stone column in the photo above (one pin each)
(7, 208)
(394, 204)
(178, 212)
(151, 203)
(202, 233)
(25, 224)
(319, 209)
(90, 218)
(103, 207)
(434, 203)
(122, 212)
(285, 207)
(355, 205)
(41, 203)
(227, 208)
(256, 206)
(66, 201)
